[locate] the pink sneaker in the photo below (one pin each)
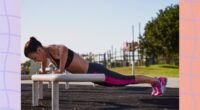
(153, 88)
(159, 89)
(156, 91)
(163, 81)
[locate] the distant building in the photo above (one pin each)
(130, 46)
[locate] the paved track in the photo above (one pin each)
(87, 97)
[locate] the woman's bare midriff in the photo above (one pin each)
(78, 65)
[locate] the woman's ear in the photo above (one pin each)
(39, 49)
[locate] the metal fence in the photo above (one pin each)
(123, 58)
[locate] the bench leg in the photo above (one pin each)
(93, 85)
(49, 85)
(67, 85)
(40, 90)
(55, 95)
(35, 92)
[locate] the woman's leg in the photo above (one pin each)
(158, 84)
(116, 79)
(145, 79)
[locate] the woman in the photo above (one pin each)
(66, 59)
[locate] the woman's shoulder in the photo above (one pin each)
(52, 47)
(55, 46)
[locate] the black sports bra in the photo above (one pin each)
(70, 57)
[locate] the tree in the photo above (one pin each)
(161, 36)
(25, 67)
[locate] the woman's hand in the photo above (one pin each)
(58, 71)
(40, 72)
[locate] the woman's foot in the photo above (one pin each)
(159, 88)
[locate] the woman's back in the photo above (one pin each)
(77, 63)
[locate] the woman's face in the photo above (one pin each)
(37, 56)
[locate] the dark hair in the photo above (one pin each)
(31, 46)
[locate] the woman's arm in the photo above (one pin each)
(44, 65)
(63, 58)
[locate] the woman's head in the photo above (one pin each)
(34, 50)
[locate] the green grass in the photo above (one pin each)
(153, 70)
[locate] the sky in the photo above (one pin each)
(86, 25)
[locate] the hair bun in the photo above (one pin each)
(32, 38)
(31, 46)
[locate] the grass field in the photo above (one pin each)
(153, 70)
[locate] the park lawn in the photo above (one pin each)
(153, 70)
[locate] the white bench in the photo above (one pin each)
(55, 79)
